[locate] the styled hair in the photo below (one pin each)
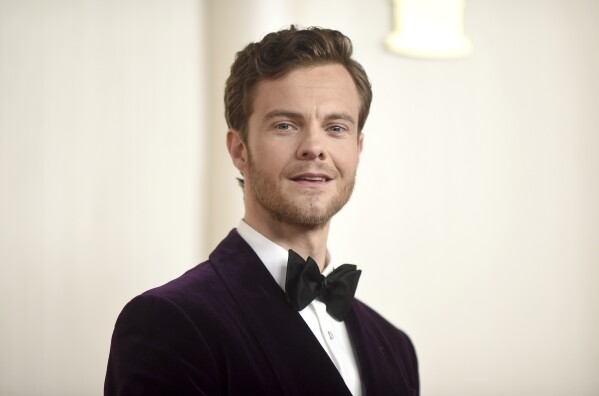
(280, 52)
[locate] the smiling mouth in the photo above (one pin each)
(313, 179)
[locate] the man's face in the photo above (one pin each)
(303, 147)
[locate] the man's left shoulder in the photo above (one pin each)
(380, 344)
(376, 326)
(366, 313)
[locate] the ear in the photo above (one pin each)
(360, 143)
(237, 150)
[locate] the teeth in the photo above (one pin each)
(313, 178)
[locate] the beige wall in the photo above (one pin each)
(475, 216)
(101, 176)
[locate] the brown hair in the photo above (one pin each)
(276, 55)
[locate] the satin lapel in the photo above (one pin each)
(295, 355)
(380, 370)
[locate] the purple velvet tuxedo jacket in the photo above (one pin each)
(225, 328)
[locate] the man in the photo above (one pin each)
(259, 318)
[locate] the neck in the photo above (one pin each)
(304, 240)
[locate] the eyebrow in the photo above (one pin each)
(298, 116)
(282, 113)
(340, 116)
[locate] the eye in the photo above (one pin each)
(337, 128)
(283, 126)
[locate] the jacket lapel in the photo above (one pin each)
(295, 355)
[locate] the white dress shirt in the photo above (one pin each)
(331, 333)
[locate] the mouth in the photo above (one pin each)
(311, 178)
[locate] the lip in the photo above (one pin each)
(309, 179)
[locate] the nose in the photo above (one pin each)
(311, 145)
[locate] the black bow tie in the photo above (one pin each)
(304, 283)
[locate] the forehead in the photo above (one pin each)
(315, 89)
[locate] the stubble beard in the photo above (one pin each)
(305, 210)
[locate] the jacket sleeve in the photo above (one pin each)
(412, 365)
(157, 350)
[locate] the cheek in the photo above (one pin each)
(263, 148)
(347, 161)
(270, 159)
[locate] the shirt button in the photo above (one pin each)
(331, 335)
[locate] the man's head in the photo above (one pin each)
(296, 105)
(279, 53)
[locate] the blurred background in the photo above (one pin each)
(475, 217)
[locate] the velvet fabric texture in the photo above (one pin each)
(225, 328)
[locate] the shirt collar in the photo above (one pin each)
(273, 256)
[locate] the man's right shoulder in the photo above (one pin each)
(199, 290)
(164, 339)
(201, 279)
